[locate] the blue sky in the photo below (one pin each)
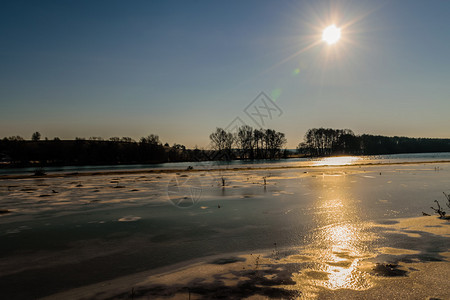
(182, 68)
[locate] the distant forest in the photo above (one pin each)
(328, 141)
(246, 143)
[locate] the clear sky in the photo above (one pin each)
(180, 69)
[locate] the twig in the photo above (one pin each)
(438, 210)
(448, 199)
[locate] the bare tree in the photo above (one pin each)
(274, 143)
(325, 141)
(222, 141)
(36, 136)
(152, 139)
(258, 138)
(15, 138)
(245, 141)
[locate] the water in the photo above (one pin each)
(290, 162)
(96, 228)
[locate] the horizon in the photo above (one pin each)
(179, 70)
(163, 142)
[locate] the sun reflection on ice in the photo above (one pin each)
(342, 257)
(340, 242)
(337, 161)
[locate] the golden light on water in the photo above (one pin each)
(341, 241)
(331, 34)
(337, 161)
(343, 257)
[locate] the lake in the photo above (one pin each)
(301, 162)
(330, 217)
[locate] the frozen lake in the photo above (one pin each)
(66, 232)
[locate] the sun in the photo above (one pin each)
(331, 34)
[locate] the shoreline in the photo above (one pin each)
(170, 171)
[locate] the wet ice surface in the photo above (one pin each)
(316, 228)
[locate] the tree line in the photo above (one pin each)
(249, 143)
(245, 143)
(15, 151)
(328, 141)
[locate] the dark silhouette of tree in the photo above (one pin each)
(321, 142)
(152, 139)
(326, 141)
(274, 142)
(222, 142)
(245, 142)
(248, 143)
(14, 138)
(127, 140)
(36, 136)
(151, 149)
(259, 143)
(258, 136)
